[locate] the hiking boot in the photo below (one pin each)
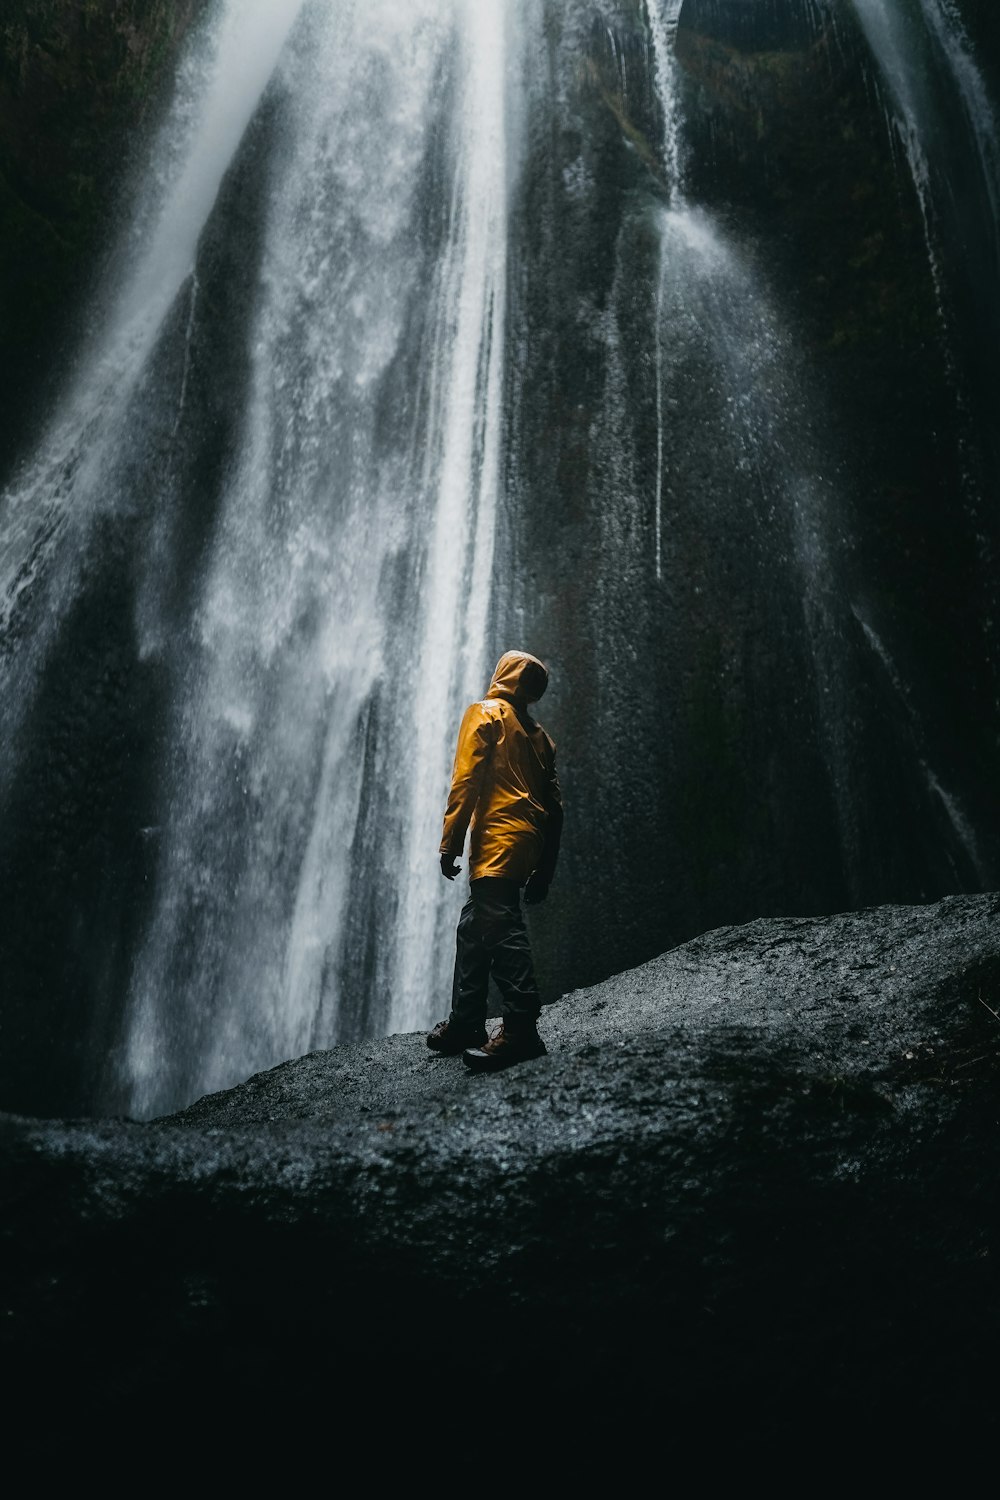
(511, 1044)
(449, 1038)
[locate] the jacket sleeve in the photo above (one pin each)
(476, 738)
(553, 825)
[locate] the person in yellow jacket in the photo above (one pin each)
(505, 793)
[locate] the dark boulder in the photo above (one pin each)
(751, 1189)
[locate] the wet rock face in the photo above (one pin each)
(980, 20)
(752, 1182)
(742, 727)
(756, 25)
(78, 86)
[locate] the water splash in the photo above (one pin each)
(946, 26)
(341, 624)
(48, 510)
(717, 329)
(456, 591)
(664, 16)
(926, 62)
(960, 823)
(895, 45)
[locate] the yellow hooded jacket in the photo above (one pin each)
(504, 781)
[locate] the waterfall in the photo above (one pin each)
(942, 114)
(960, 824)
(935, 89)
(717, 329)
(342, 622)
(894, 41)
(945, 24)
(335, 617)
(898, 34)
(664, 16)
(468, 377)
(663, 19)
(74, 473)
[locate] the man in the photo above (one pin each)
(504, 785)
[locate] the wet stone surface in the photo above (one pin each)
(757, 1175)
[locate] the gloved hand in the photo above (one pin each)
(449, 866)
(536, 889)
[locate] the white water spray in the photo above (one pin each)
(72, 474)
(911, 43)
(945, 24)
(342, 619)
(664, 16)
(960, 823)
(890, 38)
(450, 663)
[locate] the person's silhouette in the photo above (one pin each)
(505, 790)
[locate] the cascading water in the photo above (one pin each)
(937, 97)
(467, 378)
(338, 625)
(77, 470)
(924, 56)
(717, 330)
(663, 21)
(945, 24)
(943, 116)
(965, 833)
(342, 620)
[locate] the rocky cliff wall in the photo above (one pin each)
(752, 730)
(80, 85)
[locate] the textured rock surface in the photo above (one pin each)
(753, 1185)
(78, 84)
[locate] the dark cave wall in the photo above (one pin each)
(792, 148)
(791, 145)
(731, 746)
(80, 82)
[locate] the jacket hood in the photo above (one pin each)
(519, 676)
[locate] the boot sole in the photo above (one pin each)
(482, 1062)
(452, 1051)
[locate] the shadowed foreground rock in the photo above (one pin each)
(752, 1189)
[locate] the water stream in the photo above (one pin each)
(942, 114)
(341, 624)
(336, 625)
(75, 470)
(718, 329)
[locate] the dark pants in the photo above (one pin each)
(492, 938)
